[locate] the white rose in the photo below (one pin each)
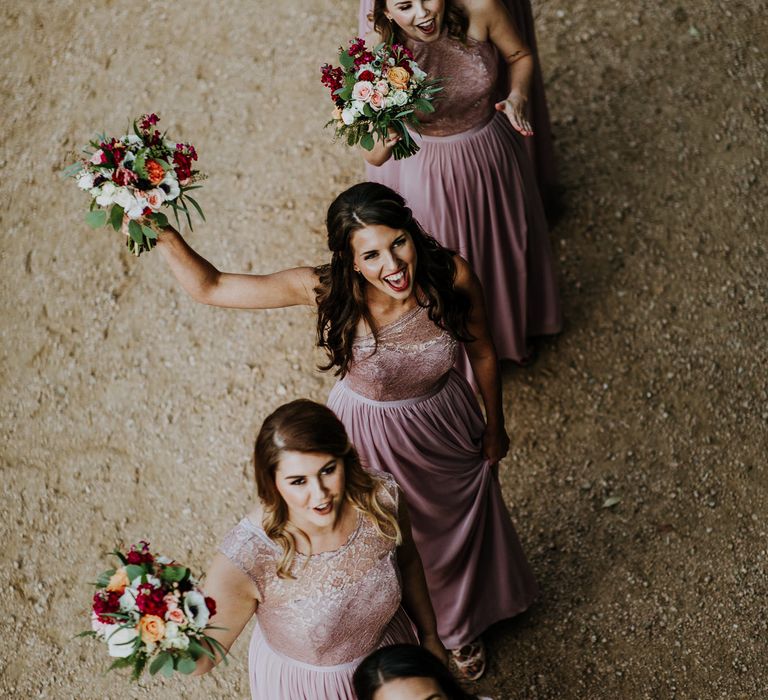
(195, 609)
(362, 90)
(174, 639)
(358, 106)
(348, 115)
(85, 180)
(172, 184)
(120, 642)
(106, 194)
(102, 629)
(136, 211)
(155, 198)
(124, 198)
(400, 97)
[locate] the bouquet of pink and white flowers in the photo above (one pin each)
(150, 610)
(135, 176)
(375, 91)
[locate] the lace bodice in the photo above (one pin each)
(469, 73)
(337, 607)
(411, 359)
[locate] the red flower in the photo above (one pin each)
(332, 78)
(363, 58)
(106, 602)
(140, 554)
(210, 603)
(148, 120)
(366, 75)
(356, 46)
(124, 176)
(150, 600)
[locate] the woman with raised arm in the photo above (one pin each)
(324, 560)
(393, 308)
(472, 184)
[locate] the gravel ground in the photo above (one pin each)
(128, 411)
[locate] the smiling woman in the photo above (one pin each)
(325, 560)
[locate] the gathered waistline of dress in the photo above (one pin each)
(422, 138)
(398, 403)
(347, 666)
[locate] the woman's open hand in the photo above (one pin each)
(516, 109)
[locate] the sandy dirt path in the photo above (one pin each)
(128, 410)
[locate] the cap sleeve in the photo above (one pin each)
(388, 486)
(247, 550)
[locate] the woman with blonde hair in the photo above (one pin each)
(325, 561)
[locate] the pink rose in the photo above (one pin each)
(155, 198)
(176, 615)
(382, 86)
(376, 100)
(171, 601)
(97, 158)
(362, 90)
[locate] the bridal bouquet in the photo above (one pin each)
(136, 176)
(377, 90)
(149, 610)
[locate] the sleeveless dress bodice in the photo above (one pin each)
(410, 357)
(340, 603)
(468, 73)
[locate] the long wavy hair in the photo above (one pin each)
(454, 19)
(306, 426)
(404, 661)
(341, 299)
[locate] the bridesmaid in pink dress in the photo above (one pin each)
(539, 145)
(393, 309)
(325, 561)
(472, 185)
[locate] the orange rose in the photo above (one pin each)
(155, 172)
(119, 581)
(152, 628)
(398, 77)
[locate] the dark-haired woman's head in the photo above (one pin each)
(379, 249)
(405, 672)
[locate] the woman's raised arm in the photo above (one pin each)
(206, 284)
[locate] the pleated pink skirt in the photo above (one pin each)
(476, 570)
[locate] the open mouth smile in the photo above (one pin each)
(398, 281)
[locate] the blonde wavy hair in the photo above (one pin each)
(306, 426)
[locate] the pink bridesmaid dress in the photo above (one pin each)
(410, 414)
(473, 188)
(313, 631)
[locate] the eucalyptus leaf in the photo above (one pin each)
(186, 665)
(149, 232)
(116, 216)
(367, 141)
(173, 573)
(135, 570)
(346, 60)
(134, 229)
(96, 218)
(104, 577)
(162, 660)
(160, 219)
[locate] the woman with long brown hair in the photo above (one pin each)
(394, 306)
(472, 184)
(319, 561)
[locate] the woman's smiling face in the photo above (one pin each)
(386, 258)
(418, 19)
